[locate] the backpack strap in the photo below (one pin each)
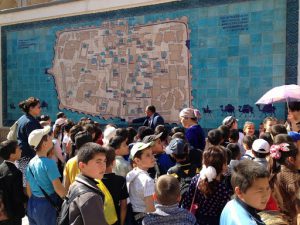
(55, 206)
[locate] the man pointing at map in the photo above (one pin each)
(153, 119)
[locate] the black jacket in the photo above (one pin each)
(157, 120)
(11, 183)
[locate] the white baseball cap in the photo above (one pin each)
(139, 146)
(261, 146)
(36, 136)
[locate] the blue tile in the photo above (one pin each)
(256, 39)
(233, 51)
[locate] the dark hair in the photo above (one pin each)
(140, 130)
(167, 189)
(131, 134)
(234, 135)
(245, 173)
(110, 156)
(225, 132)
(91, 128)
(74, 130)
(176, 130)
(178, 135)
(259, 154)
(248, 140)
(81, 138)
(7, 148)
(44, 118)
(214, 156)
(162, 129)
(98, 131)
(278, 129)
(69, 124)
(151, 108)
(293, 150)
(148, 131)
(60, 115)
(267, 137)
(116, 142)
(30, 102)
(234, 149)
(122, 132)
(214, 137)
(294, 106)
(88, 151)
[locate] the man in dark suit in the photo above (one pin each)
(153, 119)
(12, 197)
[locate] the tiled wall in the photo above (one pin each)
(238, 52)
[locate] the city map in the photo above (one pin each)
(116, 70)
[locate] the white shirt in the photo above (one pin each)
(122, 166)
(140, 185)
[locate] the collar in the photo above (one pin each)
(9, 162)
(251, 211)
(152, 116)
(166, 210)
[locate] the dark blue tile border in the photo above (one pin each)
(292, 19)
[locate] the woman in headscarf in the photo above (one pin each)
(194, 133)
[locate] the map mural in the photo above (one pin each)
(217, 56)
(116, 70)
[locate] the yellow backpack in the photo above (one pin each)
(109, 207)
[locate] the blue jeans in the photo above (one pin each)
(40, 211)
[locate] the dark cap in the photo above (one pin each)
(152, 137)
(177, 146)
(81, 138)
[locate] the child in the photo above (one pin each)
(13, 197)
(235, 156)
(232, 123)
(214, 138)
(119, 143)
(87, 208)
(208, 187)
(116, 186)
(247, 144)
(71, 169)
(286, 178)
(268, 123)
(250, 182)
(167, 195)
(184, 171)
(140, 184)
(163, 160)
(260, 150)
(249, 128)
(42, 177)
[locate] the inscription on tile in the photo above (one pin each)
(238, 22)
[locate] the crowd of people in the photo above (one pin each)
(83, 173)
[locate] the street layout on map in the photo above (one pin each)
(115, 70)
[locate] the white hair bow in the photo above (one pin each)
(208, 172)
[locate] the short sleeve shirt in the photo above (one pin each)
(142, 186)
(117, 188)
(71, 169)
(45, 171)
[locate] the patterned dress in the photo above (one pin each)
(209, 208)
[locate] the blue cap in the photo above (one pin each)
(294, 135)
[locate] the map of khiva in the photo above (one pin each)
(116, 70)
